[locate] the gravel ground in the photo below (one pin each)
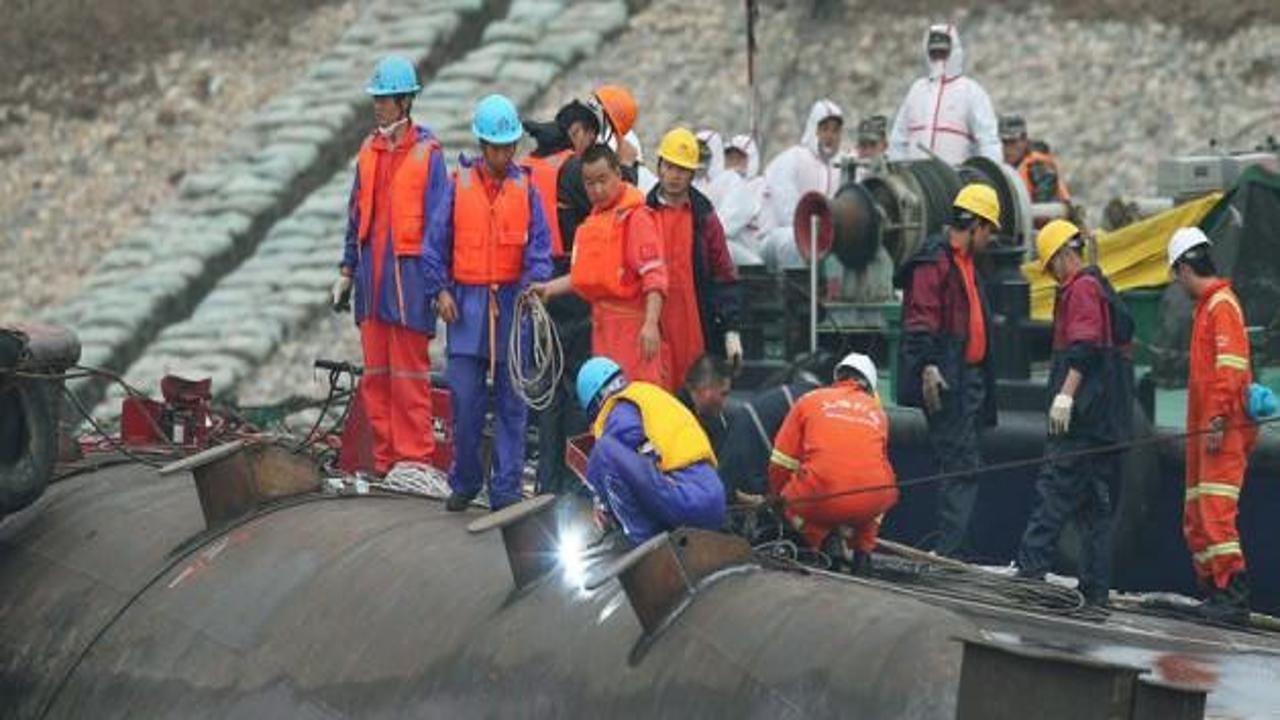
(73, 182)
(1111, 95)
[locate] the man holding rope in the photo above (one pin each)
(1091, 382)
(492, 244)
(1220, 376)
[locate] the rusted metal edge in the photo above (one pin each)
(601, 577)
(204, 457)
(511, 514)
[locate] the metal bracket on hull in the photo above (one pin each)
(529, 535)
(234, 479)
(663, 574)
(1008, 680)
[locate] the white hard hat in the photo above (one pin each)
(1183, 240)
(861, 364)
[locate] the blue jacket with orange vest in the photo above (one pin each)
(468, 266)
(420, 193)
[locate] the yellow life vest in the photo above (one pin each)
(673, 432)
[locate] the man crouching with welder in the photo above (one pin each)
(1091, 383)
(830, 466)
(945, 359)
(652, 468)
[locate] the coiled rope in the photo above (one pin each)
(534, 379)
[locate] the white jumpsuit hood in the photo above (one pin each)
(946, 111)
(739, 201)
(645, 178)
(796, 171)
(704, 179)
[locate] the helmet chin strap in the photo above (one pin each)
(387, 131)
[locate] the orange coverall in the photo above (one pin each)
(1219, 375)
(835, 439)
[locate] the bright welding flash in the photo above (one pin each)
(570, 552)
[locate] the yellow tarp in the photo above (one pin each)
(1131, 257)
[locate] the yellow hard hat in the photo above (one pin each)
(980, 200)
(1051, 239)
(679, 147)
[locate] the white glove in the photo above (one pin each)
(932, 385)
(341, 293)
(1060, 414)
(733, 348)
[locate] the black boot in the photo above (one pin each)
(834, 548)
(1229, 605)
(861, 564)
(458, 502)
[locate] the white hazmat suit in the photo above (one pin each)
(789, 176)
(946, 112)
(739, 201)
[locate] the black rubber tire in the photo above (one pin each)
(28, 442)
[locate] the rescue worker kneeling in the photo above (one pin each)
(834, 448)
(652, 468)
(1091, 382)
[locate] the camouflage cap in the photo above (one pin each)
(873, 128)
(1012, 127)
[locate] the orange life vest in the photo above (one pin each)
(598, 270)
(1036, 157)
(408, 187)
(489, 236)
(545, 173)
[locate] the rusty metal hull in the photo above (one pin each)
(379, 607)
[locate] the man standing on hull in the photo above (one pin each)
(1222, 433)
(1091, 382)
(701, 309)
(944, 359)
(495, 246)
(401, 187)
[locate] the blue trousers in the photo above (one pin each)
(646, 501)
(471, 401)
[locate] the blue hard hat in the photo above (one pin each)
(1260, 402)
(593, 376)
(394, 75)
(496, 121)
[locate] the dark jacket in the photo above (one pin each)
(1092, 333)
(714, 274)
(935, 327)
(748, 442)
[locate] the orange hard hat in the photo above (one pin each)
(618, 106)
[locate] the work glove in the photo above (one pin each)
(342, 294)
(733, 348)
(1060, 414)
(933, 386)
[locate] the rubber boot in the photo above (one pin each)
(835, 549)
(1229, 605)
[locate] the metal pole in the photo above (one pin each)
(813, 284)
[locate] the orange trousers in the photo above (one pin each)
(396, 390)
(615, 334)
(1214, 482)
(861, 512)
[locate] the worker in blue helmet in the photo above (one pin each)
(401, 188)
(652, 468)
(493, 242)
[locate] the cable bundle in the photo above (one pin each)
(534, 379)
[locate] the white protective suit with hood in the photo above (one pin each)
(739, 201)
(797, 170)
(645, 178)
(946, 111)
(704, 178)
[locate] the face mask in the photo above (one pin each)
(387, 131)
